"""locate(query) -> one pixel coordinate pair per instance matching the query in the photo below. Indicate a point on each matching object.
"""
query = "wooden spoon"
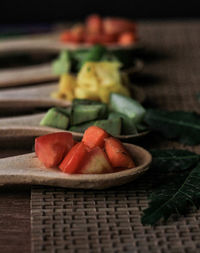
(40, 96)
(30, 97)
(42, 73)
(27, 75)
(29, 125)
(27, 169)
(50, 43)
(31, 43)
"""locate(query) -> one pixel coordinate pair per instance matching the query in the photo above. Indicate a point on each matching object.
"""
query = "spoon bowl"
(30, 126)
(28, 170)
(39, 96)
(51, 43)
(43, 73)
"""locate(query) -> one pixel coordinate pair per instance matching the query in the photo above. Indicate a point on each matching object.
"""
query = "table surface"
(64, 220)
(15, 233)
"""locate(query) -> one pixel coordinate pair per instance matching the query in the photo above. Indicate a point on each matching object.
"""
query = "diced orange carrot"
(127, 38)
(94, 137)
(117, 154)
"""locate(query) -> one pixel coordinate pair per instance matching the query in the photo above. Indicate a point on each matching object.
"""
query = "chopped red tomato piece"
(94, 24)
(51, 148)
(101, 30)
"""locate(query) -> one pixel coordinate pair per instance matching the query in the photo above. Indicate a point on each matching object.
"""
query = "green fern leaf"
(173, 160)
(178, 125)
(174, 197)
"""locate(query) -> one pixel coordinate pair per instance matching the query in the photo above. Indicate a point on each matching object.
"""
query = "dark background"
(24, 12)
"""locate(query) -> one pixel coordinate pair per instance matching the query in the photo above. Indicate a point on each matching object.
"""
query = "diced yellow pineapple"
(67, 85)
(96, 80)
(108, 73)
(85, 94)
(87, 76)
(67, 82)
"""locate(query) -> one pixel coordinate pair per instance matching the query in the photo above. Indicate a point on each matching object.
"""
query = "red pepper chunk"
(73, 160)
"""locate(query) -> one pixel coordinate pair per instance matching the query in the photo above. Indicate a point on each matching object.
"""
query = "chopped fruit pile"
(122, 116)
(97, 153)
(95, 81)
(97, 30)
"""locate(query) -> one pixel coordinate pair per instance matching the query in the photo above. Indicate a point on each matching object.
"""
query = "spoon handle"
(26, 75)
(28, 120)
(27, 131)
(17, 169)
(30, 97)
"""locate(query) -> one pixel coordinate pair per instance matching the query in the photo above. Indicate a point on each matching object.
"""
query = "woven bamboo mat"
(77, 221)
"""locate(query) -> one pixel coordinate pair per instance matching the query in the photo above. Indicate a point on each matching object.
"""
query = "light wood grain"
(27, 131)
(27, 169)
(16, 121)
(30, 97)
(31, 43)
(27, 75)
